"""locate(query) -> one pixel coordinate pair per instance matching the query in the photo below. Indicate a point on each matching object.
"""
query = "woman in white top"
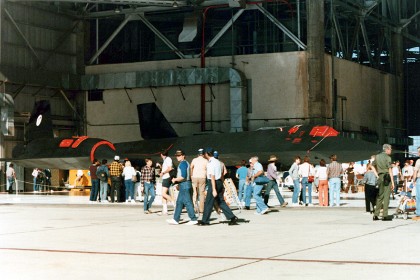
(305, 170)
(128, 173)
(407, 172)
(321, 174)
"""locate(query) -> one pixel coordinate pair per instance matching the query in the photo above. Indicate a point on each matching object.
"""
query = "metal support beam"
(71, 105)
(354, 39)
(59, 43)
(339, 35)
(109, 40)
(410, 20)
(19, 90)
(160, 35)
(283, 28)
(35, 55)
(366, 39)
(223, 30)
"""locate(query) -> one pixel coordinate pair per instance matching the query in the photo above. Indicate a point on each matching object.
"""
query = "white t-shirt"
(167, 162)
(10, 172)
(214, 168)
(128, 172)
(321, 173)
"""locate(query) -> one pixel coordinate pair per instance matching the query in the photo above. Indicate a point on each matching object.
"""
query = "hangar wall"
(278, 85)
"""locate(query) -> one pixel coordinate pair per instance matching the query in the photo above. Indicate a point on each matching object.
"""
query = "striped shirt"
(334, 170)
(115, 169)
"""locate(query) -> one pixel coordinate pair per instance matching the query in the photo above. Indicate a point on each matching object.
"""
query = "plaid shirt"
(115, 169)
(147, 174)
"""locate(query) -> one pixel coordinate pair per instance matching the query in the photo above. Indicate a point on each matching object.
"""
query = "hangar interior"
(211, 66)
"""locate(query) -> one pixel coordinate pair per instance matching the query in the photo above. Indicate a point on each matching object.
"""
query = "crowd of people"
(200, 189)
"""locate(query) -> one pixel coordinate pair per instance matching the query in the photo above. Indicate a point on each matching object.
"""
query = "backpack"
(102, 175)
(138, 176)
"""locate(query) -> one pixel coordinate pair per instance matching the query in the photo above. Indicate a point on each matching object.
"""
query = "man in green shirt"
(383, 165)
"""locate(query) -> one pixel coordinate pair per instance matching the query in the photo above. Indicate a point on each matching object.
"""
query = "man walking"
(148, 181)
(383, 166)
(198, 178)
(184, 196)
(272, 184)
(215, 191)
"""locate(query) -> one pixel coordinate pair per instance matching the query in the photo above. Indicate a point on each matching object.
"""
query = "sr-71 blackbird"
(318, 142)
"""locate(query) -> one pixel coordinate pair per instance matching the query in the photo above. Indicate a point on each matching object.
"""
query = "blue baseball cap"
(208, 150)
(216, 154)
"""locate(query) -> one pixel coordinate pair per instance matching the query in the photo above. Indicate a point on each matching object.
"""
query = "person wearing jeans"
(294, 173)
(184, 196)
(416, 177)
(258, 171)
(334, 171)
(272, 175)
(305, 170)
(241, 174)
(148, 179)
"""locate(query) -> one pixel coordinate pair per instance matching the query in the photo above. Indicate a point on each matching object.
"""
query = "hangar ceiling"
(46, 44)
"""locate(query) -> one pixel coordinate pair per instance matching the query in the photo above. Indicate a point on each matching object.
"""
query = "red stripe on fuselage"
(100, 143)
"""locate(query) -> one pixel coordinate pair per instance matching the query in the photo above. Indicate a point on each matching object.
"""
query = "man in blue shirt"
(184, 197)
(241, 175)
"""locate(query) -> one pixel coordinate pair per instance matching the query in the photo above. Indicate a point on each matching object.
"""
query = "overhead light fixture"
(175, 4)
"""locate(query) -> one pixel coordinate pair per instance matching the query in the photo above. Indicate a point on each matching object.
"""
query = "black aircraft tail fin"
(153, 124)
(40, 122)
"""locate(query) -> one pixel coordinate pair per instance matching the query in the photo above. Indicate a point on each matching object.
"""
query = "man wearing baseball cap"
(184, 196)
(215, 191)
(198, 179)
(115, 171)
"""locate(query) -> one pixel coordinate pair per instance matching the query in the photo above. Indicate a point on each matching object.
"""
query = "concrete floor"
(64, 237)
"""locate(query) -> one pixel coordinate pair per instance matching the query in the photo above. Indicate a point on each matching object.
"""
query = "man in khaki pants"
(198, 179)
(383, 166)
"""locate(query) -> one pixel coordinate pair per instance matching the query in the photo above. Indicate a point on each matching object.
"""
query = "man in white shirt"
(215, 191)
(167, 167)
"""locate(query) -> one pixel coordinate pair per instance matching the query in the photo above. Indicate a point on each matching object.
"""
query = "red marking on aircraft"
(293, 130)
(66, 143)
(296, 140)
(78, 141)
(323, 131)
(100, 143)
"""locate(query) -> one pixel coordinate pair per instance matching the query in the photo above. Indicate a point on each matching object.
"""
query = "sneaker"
(163, 213)
(295, 205)
(285, 204)
(172, 222)
(126, 201)
(310, 205)
(264, 211)
(190, 223)
(147, 212)
(257, 213)
(133, 201)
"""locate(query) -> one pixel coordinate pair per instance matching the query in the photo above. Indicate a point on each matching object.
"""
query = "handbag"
(261, 180)
(311, 178)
